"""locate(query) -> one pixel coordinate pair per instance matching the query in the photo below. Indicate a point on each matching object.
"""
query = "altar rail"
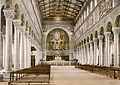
(58, 63)
(102, 70)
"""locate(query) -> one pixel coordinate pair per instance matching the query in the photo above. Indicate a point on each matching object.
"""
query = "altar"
(58, 62)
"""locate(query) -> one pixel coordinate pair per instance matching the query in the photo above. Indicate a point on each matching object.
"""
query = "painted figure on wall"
(57, 40)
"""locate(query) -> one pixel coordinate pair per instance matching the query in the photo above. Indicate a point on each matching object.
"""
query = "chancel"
(60, 42)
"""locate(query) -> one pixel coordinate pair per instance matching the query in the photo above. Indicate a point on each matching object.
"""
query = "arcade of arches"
(58, 32)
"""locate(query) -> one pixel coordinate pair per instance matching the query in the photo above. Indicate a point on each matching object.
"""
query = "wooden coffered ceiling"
(67, 9)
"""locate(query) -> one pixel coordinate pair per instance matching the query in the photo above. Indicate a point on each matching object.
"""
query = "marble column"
(84, 53)
(21, 49)
(100, 50)
(17, 25)
(25, 48)
(29, 51)
(1, 56)
(107, 49)
(91, 53)
(91, 5)
(77, 52)
(4, 48)
(82, 59)
(44, 51)
(80, 54)
(38, 54)
(9, 15)
(88, 54)
(95, 51)
(116, 31)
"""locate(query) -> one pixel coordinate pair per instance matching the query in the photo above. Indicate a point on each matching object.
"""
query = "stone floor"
(68, 75)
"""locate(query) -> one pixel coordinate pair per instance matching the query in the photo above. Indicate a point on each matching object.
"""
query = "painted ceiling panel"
(60, 8)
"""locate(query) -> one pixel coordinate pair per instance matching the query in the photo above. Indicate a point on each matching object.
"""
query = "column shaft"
(116, 47)
(88, 55)
(9, 14)
(82, 54)
(95, 52)
(100, 50)
(17, 24)
(107, 49)
(21, 51)
(91, 52)
(29, 52)
(4, 49)
(25, 49)
(1, 56)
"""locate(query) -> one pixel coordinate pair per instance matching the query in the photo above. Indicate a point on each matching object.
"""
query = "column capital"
(17, 23)
(87, 43)
(9, 14)
(95, 39)
(3, 36)
(22, 28)
(100, 37)
(1, 4)
(116, 30)
(90, 41)
(107, 33)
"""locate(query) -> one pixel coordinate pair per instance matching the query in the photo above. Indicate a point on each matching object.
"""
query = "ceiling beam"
(42, 8)
(61, 2)
(54, 14)
(60, 10)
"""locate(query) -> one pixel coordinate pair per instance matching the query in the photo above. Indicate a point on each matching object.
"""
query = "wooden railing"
(31, 75)
(102, 70)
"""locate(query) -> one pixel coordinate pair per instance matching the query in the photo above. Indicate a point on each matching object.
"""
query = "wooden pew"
(102, 70)
(35, 72)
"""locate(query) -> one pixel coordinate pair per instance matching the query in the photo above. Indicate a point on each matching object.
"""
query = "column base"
(6, 74)
(15, 69)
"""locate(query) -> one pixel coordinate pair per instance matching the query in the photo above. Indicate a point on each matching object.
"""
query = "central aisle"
(68, 75)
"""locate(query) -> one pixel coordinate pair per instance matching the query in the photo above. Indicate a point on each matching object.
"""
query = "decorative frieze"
(105, 7)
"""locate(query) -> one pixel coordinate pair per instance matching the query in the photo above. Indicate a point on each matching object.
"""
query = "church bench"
(102, 70)
(21, 75)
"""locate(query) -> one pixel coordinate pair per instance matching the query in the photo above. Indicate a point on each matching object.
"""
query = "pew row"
(102, 70)
(37, 74)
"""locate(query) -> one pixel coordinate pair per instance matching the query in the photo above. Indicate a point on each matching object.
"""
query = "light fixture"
(58, 18)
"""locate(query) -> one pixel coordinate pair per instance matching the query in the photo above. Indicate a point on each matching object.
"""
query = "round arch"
(17, 11)
(67, 31)
(57, 39)
(70, 46)
(117, 21)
